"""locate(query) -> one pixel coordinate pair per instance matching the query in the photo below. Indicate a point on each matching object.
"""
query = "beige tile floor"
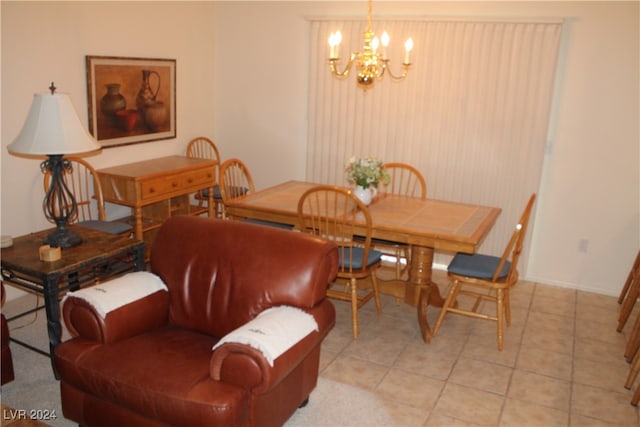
(562, 363)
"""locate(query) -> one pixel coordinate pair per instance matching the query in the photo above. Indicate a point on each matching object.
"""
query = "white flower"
(366, 172)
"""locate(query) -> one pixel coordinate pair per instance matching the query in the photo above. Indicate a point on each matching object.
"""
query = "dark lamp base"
(63, 239)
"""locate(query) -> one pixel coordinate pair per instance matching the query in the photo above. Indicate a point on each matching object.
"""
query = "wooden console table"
(157, 189)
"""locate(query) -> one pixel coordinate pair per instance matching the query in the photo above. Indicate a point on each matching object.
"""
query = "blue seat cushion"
(216, 192)
(236, 191)
(269, 223)
(345, 255)
(111, 227)
(478, 266)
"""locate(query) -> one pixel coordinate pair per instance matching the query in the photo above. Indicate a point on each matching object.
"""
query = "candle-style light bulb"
(374, 44)
(385, 42)
(334, 43)
(408, 46)
(338, 38)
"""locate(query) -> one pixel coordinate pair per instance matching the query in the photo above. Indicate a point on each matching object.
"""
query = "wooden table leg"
(421, 291)
(420, 277)
(138, 229)
(210, 204)
(423, 302)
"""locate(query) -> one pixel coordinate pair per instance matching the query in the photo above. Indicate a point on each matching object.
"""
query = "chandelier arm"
(395, 78)
(333, 64)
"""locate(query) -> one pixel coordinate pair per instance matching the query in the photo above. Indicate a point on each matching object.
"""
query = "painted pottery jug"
(147, 95)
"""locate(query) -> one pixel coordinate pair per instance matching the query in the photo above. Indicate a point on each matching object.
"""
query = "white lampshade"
(52, 127)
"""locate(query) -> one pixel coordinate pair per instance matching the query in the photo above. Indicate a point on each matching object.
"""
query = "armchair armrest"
(247, 366)
(117, 309)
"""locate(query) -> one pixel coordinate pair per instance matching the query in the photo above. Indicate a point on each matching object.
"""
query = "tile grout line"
(515, 363)
(573, 356)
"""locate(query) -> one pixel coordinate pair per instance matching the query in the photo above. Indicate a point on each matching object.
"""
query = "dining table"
(426, 225)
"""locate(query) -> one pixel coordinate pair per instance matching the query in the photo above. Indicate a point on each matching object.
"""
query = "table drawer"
(198, 178)
(157, 187)
(176, 184)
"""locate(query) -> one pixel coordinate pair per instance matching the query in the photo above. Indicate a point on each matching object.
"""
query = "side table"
(98, 257)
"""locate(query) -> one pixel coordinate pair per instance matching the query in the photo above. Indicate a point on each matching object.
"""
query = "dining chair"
(204, 148)
(629, 294)
(633, 358)
(631, 377)
(493, 275)
(7, 373)
(631, 355)
(335, 213)
(82, 180)
(404, 180)
(236, 181)
(636, 397)
(633, 341)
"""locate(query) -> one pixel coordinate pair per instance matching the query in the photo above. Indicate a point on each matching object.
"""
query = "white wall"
(48, 41)
(591, 180)
(242, 79)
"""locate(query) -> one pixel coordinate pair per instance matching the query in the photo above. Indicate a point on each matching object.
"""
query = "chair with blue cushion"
(335, 213)
(81, 179)
(235, 182)
(404, 180)
(491, 274)
(204, 148)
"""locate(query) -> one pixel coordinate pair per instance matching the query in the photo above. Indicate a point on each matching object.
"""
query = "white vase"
(364, 194)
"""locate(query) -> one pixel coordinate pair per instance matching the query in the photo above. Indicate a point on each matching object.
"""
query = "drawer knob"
(174, 184)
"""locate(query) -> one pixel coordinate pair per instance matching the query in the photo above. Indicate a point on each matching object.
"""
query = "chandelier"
(371, 63)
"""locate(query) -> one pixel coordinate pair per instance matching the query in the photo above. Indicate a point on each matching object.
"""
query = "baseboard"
(533, 279)
(569, 285)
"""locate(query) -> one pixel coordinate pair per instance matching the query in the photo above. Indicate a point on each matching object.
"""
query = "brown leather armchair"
(150, 361)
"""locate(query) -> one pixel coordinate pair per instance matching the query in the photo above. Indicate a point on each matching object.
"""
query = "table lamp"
(53, 129)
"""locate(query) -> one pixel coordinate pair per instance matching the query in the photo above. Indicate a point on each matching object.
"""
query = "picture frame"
(131, 100)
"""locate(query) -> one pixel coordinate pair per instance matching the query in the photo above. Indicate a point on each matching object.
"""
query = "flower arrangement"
(366, 172)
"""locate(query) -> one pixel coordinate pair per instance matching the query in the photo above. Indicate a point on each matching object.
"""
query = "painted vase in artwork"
(156, 115)
(112, 102)
(128, 119)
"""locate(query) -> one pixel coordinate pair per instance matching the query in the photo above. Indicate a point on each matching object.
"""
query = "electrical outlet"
(583, 245)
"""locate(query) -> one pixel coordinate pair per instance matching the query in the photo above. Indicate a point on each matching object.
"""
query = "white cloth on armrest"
(118, 292)
(273, 331)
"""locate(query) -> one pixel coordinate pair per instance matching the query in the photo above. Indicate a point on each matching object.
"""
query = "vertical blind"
(472, 114)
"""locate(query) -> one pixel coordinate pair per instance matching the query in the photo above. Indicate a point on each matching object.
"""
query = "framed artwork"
(131, 100)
